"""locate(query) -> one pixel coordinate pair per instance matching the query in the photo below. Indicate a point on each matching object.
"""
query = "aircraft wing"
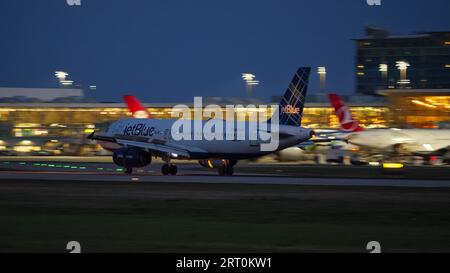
(151, 145)
(327, 140)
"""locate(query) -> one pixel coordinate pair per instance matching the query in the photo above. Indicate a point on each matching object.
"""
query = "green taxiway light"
(119, 170)
(5, 162)
(51, 166)
(37, 164)
(82, 168)
(100, 169)
(66, 167)
(58, 166)
(22, 163)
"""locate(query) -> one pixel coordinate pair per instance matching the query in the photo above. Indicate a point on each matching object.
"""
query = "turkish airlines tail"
(346, 120)
(135, 107)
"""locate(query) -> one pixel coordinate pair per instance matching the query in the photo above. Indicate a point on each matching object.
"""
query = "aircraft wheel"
(173, 169)
(222, 170)
(226, 170)
(128, 170)
(166, 169)
(233, 162)
(229, 170)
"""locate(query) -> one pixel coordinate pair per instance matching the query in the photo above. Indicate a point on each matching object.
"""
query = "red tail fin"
(348, 123)
(135, 107)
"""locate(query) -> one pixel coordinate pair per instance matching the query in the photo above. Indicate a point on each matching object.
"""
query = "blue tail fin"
(293, 101)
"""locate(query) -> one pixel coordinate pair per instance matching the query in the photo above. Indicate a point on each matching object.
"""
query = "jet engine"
(211, 164)
(216, 163)
(132, 158)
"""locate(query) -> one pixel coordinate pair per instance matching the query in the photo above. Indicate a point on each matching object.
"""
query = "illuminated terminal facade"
(52, 119)
(28, 127)
(418, 108)
(36, 127)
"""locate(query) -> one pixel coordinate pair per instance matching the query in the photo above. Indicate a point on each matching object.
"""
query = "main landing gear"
(227, 168)
(169, 169)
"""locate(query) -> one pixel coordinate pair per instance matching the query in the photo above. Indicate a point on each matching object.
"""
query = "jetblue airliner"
(135, 141)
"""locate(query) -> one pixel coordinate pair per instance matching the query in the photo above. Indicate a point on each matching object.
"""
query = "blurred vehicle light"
(393, 165)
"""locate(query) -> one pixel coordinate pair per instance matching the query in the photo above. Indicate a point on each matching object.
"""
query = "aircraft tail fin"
(135, 107)
(346, 120)
(293, 101)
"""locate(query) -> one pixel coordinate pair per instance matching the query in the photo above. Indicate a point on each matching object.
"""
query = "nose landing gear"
(169, 168)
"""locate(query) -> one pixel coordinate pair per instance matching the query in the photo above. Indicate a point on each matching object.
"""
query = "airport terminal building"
(382, 57)
(34, 118)
(28, 124)
(46, 116)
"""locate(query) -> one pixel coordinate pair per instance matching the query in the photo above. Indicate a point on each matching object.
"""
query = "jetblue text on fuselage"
(141, 129)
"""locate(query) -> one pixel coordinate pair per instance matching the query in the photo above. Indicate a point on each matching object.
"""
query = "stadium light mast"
(250, 82)
(322, 71)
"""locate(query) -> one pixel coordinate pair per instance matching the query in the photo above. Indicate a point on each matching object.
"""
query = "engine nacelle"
(132, 158)
(216, 163)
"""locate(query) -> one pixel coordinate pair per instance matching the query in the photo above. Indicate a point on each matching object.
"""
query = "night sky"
(172, 50)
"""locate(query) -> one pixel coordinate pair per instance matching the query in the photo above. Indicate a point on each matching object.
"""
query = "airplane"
(421, 142)
(135, 141)
(325, 137)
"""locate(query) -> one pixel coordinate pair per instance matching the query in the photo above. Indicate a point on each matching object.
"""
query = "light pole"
(403, 67)
(322, 71)
(383, 68)
(62, 76)
(66, 83)
(250, 81)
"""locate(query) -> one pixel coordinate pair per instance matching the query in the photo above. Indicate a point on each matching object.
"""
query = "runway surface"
(190, 173)
(263, 208)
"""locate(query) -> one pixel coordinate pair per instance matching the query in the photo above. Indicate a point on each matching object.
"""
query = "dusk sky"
(170, 51)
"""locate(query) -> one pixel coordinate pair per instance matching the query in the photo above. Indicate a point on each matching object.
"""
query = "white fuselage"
(414, 140)
(151, 130)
